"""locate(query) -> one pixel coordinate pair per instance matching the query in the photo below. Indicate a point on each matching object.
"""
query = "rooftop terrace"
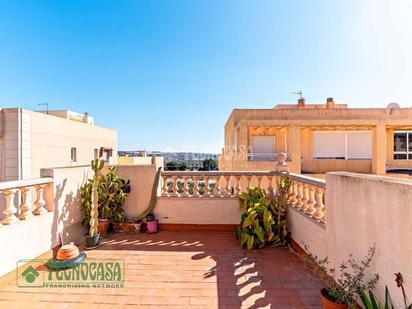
(178, 269)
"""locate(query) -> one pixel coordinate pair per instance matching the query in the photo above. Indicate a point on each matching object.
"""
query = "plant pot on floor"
(328, 303)
(119, 227)
(102, 227)
(91, 241)
(151, 226)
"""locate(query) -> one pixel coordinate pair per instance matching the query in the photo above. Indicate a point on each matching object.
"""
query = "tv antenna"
(300, 93)
(47, 106)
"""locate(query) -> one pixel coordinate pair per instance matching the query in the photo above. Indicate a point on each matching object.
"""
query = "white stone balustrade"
(214, 183)
(29, 195)
(307, 194)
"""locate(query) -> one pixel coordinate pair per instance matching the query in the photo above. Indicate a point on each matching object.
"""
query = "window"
(105, 154)
(354, 145)
(263, 147)
(402, 145)
(73, 154)
(96, 153)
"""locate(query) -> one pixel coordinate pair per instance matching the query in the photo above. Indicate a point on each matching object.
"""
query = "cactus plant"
(97, 166)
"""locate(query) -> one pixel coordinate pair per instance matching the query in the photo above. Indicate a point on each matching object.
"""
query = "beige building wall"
(159, 161)
(31, 141)
(293, 129)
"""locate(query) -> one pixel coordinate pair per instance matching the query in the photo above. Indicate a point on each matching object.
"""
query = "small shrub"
(264, 220)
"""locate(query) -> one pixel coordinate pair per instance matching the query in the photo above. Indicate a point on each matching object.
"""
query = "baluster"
(227, 188)
(40, 202)
(270, 189)
(165, 188)
(26, 203)
(299, 197)
(195, 186)
(174, 192)
(9, 216)
(259, 181)
(185, 191)
(310, 209)
(290, 193)
(319, 206)
(216, 191)
(206, 182)
(236, 186)
(220, 189)
(239, 185)
(294, 200)
(305, 197)
(248, 182)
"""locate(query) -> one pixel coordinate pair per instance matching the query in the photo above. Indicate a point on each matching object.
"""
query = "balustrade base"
(10, 220)
(26, 216)
(39, 212)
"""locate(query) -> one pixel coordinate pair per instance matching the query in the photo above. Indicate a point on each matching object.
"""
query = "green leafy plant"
(344, 285)
(264, 220)
(112, 192)
(97, 165)
(370, 301)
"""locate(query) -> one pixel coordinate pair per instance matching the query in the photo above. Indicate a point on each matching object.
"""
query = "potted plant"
(264, 219)
(151, 223)
(342, 287)
(370, 301)
(92, 239)
(113, 192)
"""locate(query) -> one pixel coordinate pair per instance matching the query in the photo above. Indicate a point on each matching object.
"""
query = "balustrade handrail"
(298, 177)
(24, 183)
(306, 193)
(218, 173)
(309, 180)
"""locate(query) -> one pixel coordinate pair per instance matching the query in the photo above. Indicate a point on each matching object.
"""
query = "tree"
(209, 165)
(172, 166)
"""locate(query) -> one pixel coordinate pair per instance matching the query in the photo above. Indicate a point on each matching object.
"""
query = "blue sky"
(167, 74)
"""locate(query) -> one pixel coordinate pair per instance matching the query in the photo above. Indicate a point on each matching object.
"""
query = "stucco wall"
(363, 210)
(198, 210)
(305, 231)
(141, 180)
(31, 141)
(67, 216)
(24, 240)
(52, 138)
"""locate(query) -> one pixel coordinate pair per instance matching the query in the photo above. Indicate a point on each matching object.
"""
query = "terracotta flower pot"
(329, 304)
(102, 227)
(119, 227)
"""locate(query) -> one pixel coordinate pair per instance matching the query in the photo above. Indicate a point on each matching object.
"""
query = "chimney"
(330, 103)
(301, 103)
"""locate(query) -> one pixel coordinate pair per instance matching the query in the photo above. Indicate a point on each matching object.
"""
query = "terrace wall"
(361, 210)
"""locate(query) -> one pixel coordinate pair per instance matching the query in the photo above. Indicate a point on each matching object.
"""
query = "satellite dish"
(393, 105)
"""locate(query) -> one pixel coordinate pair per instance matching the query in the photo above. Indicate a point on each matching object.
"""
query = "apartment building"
(30, 141)
(319, 138)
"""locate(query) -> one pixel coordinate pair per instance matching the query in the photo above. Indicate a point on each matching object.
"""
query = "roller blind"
(329, 145)
(263, 144)
(359, 145)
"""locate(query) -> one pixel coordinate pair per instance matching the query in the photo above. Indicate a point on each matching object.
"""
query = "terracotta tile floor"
(183, 269)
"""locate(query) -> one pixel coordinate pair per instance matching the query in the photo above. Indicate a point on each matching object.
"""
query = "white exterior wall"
(32, 141)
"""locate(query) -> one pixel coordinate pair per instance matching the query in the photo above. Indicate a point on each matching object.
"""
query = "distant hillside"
(172, 156)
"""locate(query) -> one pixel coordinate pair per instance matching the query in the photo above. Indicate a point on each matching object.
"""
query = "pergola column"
(379, 149)
(242, 143)
(294, 148)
